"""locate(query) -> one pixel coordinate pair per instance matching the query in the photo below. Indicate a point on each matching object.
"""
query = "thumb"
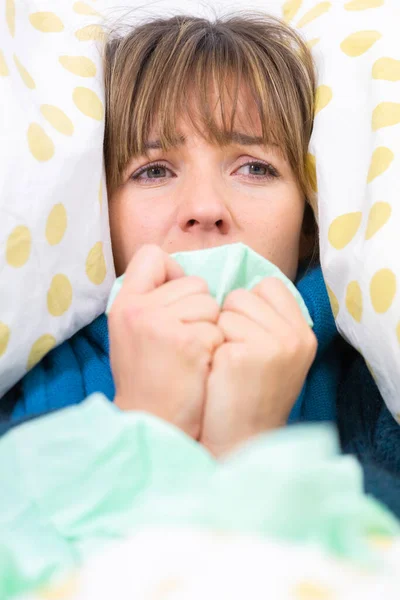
(150, 268)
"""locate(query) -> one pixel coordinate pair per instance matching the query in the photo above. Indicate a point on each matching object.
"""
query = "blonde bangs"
(189, 68)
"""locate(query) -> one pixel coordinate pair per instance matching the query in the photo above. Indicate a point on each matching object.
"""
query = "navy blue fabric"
(368, 430)
(68, 374)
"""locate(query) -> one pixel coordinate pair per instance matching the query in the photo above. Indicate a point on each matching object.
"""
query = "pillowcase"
(356, 150)
(56, 265)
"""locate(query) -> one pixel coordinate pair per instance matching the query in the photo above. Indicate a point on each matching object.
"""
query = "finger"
(199, 307)
(210, 336)
(149, 268)
(238, 328)
(174, 291)
(277, 295)
(256, 309)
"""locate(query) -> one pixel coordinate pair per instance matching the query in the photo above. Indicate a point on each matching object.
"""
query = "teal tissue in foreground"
(79, 478)
(228, 268)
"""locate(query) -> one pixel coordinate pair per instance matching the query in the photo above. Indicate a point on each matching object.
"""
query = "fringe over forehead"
(165, 69)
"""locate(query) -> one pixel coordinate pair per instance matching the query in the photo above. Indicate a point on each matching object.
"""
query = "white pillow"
(356, 144)
(56, 265)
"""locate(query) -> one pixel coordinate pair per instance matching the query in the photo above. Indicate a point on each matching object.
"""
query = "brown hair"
(150, 72)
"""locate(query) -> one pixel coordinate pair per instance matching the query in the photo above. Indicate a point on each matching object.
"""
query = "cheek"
(133, 223)
(274, 229)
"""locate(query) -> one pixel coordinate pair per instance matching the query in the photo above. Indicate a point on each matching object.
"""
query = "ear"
(309, 236)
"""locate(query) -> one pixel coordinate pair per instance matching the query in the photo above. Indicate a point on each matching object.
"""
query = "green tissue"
(227, 268)
(77, 479)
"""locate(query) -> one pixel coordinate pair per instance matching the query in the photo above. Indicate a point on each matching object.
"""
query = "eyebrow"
(242, 139)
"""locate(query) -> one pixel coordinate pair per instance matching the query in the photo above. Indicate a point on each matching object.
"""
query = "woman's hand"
(163, 334)
(258, 373)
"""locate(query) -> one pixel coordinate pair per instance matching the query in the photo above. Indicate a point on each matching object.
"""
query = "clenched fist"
(163, 335)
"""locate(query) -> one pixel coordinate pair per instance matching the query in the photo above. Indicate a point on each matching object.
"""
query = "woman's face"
(198, 195)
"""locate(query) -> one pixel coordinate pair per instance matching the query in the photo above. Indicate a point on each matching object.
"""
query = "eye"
(258, 170)
(151, 172)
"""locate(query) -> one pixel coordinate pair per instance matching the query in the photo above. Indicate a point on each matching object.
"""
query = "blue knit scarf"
(81, 366)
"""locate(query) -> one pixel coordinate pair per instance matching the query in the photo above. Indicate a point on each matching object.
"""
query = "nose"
(204, 209)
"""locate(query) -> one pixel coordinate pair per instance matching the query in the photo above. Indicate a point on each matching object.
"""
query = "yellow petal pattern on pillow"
(56, 224)
(3, 66)
(359, 43)
(379, 215)
(84, 9)
(168, 587)
(26, 78)
(343, 229)
(10, 16)
(383, 290)
(90, 33)
(88, 103)
(322, 98)
(314, 13)
(57, 118)
(18, 248)
(66, 590)
(40, 144)
(334, 302)
(381, 542)
(387, 69)
(381, 160)
(291, 8)
(96, 264)
(354, 303)
(310, 590)
(4, 337)
(385, 114)
(46, 22)
(40, 348)
(78, 65)
(363, 4)
(59, 296)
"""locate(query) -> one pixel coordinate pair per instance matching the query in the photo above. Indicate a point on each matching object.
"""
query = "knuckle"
(138, 320)
(218, 338)
(211, 302)
(199, 284)
(123, 314)
(297, 346)
(214, 311)
(235, 298)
